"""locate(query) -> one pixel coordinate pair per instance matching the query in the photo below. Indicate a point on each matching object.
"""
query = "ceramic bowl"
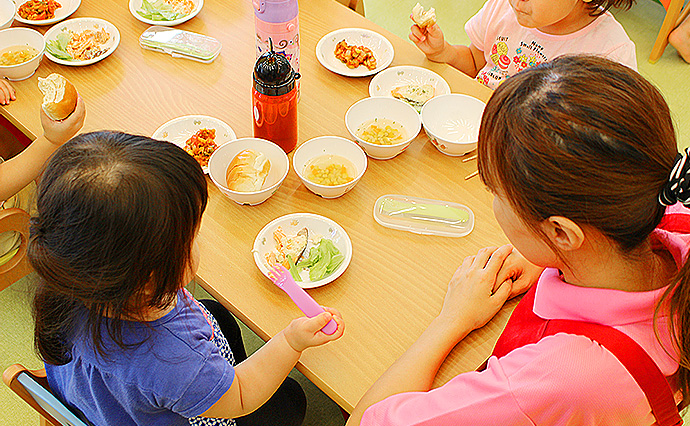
(18, 36)
(329, 145)
(452, 122)
(7, 11)
(383, 108)
(223, 155)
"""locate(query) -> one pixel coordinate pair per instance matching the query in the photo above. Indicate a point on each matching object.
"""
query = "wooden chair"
(15, 219)
(676, 12)
(32, 387)
(356, 5)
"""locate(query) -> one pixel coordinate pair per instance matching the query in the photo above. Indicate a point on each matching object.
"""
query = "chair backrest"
(15, 219)
(32, 387)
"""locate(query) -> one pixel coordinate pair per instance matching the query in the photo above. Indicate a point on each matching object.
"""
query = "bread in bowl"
(247, 171)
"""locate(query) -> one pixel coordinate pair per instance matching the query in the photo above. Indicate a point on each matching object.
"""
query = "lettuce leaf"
(293, 269)
(158, 10)
(323, 260)
(58, 46)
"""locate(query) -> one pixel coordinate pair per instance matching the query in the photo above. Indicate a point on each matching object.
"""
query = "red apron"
(525, 327)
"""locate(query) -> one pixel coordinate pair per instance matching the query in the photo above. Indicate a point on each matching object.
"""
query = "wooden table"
(396, 281)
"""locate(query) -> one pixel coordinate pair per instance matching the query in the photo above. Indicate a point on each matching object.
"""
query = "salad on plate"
(165, 10)
(320, 260)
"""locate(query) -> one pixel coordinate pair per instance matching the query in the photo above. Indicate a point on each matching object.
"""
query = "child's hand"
(59, 132)
(470, 300)
(6, 92)
(429, 40)
(518, 269)
(303, 333)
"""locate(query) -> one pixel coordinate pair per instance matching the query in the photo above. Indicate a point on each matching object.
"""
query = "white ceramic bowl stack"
(21, 36)
(223, 155)
(452, 122)
(383, 108)
(333, 145)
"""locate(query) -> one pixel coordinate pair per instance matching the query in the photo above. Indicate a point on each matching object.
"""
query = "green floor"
(670, 74)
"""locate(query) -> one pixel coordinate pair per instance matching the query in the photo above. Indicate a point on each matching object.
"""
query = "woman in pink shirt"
(580, 154)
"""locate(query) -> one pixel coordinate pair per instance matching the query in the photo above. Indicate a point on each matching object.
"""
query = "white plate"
(68, 7)
(384, 82)
(135, 5)
(79, 25)
(179, 129)
(264, 242)
(382, 48)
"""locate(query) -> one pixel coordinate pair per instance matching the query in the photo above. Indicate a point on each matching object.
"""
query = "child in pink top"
(508, 36)
(581, 182)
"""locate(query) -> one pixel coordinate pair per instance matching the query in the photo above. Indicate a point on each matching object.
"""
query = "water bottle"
(277, 21)
(274, 100)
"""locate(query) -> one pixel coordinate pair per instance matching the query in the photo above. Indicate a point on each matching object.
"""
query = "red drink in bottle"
(274, 100)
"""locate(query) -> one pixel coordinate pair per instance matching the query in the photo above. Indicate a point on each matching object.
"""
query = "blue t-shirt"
(178, 372)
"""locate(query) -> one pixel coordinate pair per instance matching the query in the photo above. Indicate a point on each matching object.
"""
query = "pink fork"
(283, 279)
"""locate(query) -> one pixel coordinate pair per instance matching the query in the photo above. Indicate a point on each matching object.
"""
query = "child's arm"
(468, 305)
(17, 172)
(260, 375)
(430, 40)
(6, 92)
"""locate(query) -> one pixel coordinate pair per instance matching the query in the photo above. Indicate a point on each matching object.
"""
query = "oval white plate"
(384, 82)
(79, 25)
(291, 223)
(382, 48)
(68, 7)
(135, 5)
(179, 129)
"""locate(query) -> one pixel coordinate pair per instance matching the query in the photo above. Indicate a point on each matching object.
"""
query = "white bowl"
(21, 36)
(7, 11)
(223, 155)
(452, 122)
(389, 108)
(329, 145)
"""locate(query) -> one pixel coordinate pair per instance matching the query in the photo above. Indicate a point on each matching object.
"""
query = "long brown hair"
(117, 216)
(591, 140)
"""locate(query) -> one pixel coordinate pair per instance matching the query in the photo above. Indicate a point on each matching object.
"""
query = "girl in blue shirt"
(123, 342)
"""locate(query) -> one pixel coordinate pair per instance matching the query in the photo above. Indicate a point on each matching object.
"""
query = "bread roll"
(422, 18)
(247, 171)
(59, 96)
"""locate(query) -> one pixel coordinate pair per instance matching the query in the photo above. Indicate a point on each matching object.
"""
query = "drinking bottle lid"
(273, 74)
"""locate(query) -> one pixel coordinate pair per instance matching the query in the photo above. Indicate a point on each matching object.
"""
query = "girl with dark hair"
(580, 154)
(123, 342)
(507, 36)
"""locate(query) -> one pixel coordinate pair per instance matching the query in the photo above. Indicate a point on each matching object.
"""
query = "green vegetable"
(293, 269)
(158, 10)
(323, 260)
(58, 46)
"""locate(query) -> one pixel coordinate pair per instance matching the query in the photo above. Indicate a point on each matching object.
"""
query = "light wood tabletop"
(396, 281)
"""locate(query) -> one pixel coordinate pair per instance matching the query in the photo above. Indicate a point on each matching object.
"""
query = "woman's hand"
(520, 271)
(429, 40)
(59, 132)
(303, 333)
(474, 293)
